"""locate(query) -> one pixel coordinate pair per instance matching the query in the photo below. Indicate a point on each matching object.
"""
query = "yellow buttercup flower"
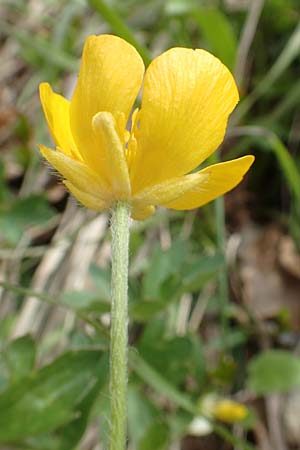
(223, 409)
(188, 96)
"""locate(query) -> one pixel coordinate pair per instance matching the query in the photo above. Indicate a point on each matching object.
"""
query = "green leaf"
(101, 280)
(162, 265)
(22, 214)
(20, 357)
(288, 165)
(157, 436)
(4, 192)
(145, 310)
(49, 398)
(216, 29)
(4, 373)
(198, 272)
(72, 433)
(179, 7)
(174, 358)
(141, 413)
(85, 301)
(160, 383)
(274, 371)
(102, 411)
(118, 26)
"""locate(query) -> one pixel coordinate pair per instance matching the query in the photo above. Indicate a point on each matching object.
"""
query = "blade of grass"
(286, 57)
(248, 33)
(55, 302)
(42, 48)
(231, 438)
(289, 101)
(119, 27)
(285, 160)
(217, 30)
(62, 27)
(158, 383)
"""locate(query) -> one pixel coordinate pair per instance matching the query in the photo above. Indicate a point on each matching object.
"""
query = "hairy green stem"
(119, 323)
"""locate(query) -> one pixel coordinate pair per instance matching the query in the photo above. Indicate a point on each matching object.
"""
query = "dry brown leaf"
(267, 289)
(288, 257)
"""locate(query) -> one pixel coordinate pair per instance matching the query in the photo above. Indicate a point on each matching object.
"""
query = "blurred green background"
(214, 293)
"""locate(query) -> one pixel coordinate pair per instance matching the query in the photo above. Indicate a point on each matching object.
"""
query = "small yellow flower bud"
(230, 411)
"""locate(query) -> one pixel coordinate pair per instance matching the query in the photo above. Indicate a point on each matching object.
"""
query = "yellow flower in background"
(187, 98)
(223, 409)
(230, 411)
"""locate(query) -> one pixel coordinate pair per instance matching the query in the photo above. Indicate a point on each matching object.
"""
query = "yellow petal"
(142, 212)
(104, 127)
(220, 178)
(187, 98)
(83, 178)
(57, 112)
(168, 191)
(109, 80)
(86, 199)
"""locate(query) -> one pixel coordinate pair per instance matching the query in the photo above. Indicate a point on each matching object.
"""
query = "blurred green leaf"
(289, 167)
(216, 29)
(119, 26)
(274, 371)
(159, 383)
(85, 301)
(4, 372)
(102, 412)
(20, 357)
(23, 213)
(145, 310)
(101, 281)
(196, 273)
(281, 14)
(4, 192)
(69, 435)
(162, 265)
(157, 436)
(172, 357)
(50, 397)
(141, 413)
(179, 7)
(72, 433)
